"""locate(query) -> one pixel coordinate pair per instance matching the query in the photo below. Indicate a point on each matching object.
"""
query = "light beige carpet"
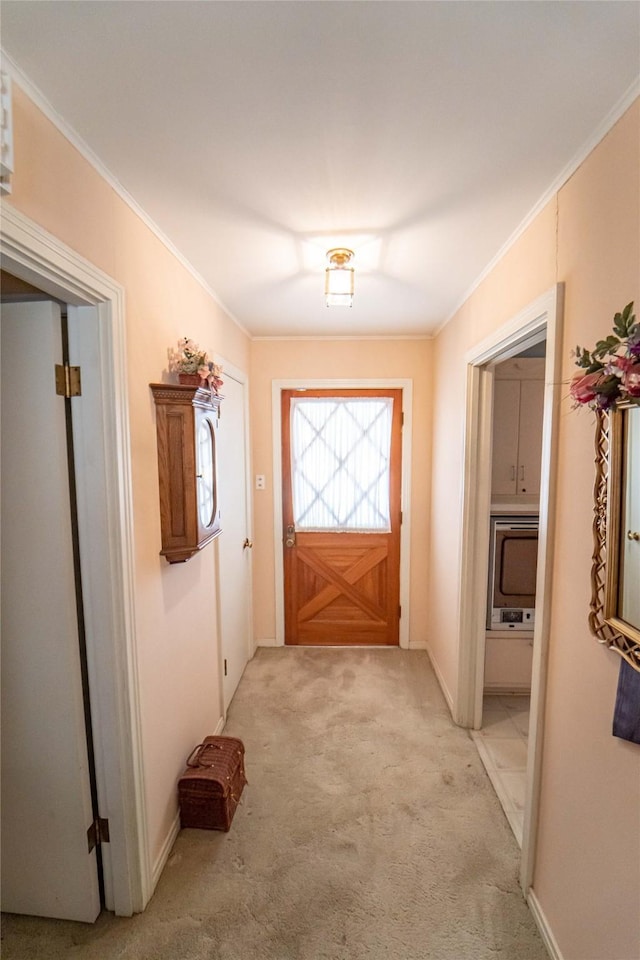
(368, 831)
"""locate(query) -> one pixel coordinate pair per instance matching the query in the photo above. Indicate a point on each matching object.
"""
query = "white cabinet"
(508, 663)
(518, 400)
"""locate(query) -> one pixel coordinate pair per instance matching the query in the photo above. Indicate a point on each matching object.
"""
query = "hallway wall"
(587, 871)
(281, 359)
(175, 605)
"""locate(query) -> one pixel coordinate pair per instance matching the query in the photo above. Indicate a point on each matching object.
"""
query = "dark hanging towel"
(626, 716)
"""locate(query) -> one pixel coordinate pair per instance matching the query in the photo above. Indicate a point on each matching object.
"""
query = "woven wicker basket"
(210, 788)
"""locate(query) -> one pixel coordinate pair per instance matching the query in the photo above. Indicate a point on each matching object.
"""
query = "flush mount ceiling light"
(338, 282)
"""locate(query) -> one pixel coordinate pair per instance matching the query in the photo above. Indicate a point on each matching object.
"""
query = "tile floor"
(502, 745)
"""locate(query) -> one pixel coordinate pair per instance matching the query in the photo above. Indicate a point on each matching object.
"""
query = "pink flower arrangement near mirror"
(610, 373)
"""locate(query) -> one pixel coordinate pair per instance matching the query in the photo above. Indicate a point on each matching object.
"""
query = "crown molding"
(623, 104)
(38, 98)
(408, 336)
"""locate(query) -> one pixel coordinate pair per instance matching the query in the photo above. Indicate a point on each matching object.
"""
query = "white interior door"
(46, 800)
(234, 554)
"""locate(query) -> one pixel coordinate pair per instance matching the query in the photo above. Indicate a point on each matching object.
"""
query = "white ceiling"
(256, 135)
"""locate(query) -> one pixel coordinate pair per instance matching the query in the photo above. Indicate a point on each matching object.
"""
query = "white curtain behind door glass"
(340, 453)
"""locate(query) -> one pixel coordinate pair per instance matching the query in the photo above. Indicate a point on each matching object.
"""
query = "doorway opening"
(516, 445)
(540, 321)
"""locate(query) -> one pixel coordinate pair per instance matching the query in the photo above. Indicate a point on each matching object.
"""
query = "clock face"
(206, 474)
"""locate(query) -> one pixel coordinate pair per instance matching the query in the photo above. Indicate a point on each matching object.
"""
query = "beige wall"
(588, 870)
(526, 271)
(175, 605)
(339, 359)
(589, 851)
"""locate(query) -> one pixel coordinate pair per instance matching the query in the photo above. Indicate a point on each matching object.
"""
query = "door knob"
(633, 535)
(290, 538)
(247, 543)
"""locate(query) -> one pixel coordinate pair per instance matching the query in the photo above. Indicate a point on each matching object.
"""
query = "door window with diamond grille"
(341, 483)
(340, 457)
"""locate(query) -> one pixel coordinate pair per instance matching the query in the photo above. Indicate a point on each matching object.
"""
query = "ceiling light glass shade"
(338, 282)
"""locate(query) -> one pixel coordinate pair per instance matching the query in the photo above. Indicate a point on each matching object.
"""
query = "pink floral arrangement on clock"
(191, 359)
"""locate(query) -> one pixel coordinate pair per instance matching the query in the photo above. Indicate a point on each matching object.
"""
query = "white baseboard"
(441, 680)
(543, 926)
(266, 642)
(166, 849)
(417, 645)
(508, 689)
(174, 830)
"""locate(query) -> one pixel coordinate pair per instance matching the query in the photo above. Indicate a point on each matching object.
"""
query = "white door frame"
(406, 386)
(543, 315)
(105, 519)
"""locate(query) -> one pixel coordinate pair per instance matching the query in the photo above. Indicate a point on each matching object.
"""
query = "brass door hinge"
(399, 611)
(97, 833)
(68, 381)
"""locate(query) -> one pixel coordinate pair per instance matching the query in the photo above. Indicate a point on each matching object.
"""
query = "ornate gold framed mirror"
(615, 579)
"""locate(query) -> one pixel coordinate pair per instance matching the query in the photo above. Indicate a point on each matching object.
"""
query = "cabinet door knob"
(633, 535)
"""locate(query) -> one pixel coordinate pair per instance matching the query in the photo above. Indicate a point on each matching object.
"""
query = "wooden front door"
(341, 457)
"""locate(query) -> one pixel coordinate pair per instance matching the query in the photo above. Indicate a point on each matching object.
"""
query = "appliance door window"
(518, 566)
(516, 554)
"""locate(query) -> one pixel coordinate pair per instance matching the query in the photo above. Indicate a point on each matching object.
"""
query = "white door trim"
(104, 504)
(406, 386)
(544, 314)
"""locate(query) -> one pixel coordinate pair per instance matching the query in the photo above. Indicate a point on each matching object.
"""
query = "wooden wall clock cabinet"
(187, 424)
